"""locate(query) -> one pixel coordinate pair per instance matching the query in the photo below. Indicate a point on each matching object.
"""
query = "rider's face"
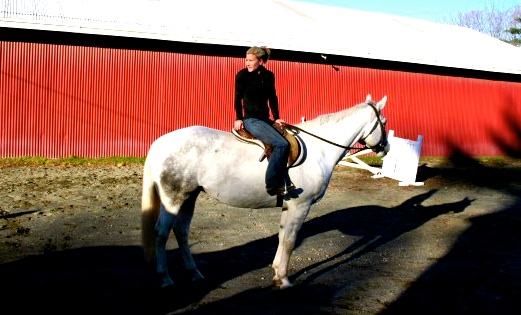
(252, 62)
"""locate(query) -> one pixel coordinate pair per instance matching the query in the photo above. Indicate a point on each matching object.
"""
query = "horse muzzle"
(382, 149)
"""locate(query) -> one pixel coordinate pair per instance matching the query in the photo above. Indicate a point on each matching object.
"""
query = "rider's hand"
(280, 122)
(238, 125)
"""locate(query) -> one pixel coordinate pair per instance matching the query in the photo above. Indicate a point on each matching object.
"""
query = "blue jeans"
(277, 165)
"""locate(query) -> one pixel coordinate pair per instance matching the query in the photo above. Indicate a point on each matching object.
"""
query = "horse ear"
(368, 98)
(382, 102)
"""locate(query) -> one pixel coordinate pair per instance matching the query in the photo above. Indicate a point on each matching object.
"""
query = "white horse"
(182, 163)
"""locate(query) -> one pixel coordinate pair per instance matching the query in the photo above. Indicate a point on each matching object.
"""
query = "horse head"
(375, 136)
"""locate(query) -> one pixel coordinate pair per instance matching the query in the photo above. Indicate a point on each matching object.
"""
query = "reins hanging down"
(298, 129)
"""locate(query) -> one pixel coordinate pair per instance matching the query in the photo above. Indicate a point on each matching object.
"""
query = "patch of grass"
(69, 161)
(496, 161)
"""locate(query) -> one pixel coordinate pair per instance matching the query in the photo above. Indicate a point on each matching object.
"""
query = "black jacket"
(253, 92)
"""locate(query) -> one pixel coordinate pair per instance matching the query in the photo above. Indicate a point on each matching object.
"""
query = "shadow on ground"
(482, 272)
(114, 280)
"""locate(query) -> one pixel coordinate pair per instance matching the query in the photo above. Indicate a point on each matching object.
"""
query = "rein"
(292, 127)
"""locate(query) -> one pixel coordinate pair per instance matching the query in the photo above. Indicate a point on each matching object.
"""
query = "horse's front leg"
(276, 259)
(290, 223)
(165, 223)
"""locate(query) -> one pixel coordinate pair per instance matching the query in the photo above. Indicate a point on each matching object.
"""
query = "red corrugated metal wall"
(59, 101)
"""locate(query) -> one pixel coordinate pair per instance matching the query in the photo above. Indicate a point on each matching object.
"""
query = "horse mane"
(333, 117)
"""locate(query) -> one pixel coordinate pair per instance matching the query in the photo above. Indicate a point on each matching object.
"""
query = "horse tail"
(150, 204)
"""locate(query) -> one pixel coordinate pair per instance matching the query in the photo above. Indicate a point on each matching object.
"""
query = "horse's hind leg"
(181, 231)
(165, 223)
(179, 223)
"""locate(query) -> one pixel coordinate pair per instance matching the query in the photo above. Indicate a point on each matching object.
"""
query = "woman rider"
(255, 96)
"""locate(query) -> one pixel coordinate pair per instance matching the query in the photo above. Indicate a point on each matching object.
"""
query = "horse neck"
(345, 130)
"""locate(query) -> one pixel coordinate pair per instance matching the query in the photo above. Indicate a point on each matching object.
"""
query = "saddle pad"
(295, 149)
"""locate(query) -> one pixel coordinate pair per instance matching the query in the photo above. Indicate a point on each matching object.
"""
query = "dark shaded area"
(512, 120)
(101, 280)
(114, 280)
(119, 42)
(480, 275)
(465, 171)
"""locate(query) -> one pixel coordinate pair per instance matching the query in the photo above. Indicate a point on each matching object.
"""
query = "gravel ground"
(70, 244)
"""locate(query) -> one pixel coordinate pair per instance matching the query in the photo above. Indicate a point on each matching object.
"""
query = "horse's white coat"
(181, 163)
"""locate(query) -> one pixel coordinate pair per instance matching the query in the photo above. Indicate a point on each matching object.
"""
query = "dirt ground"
(70, 244)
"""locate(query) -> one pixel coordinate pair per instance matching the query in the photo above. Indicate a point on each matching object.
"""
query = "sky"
(430, 10)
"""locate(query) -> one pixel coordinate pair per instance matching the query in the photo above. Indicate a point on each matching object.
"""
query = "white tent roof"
(278, 24)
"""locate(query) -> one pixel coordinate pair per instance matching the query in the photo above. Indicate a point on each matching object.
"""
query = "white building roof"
(278, 24)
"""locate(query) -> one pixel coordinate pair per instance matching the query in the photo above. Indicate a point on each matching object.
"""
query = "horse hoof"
(282, 283)
(286, 286)
(167, 287)
(197, 276)
(167, 283)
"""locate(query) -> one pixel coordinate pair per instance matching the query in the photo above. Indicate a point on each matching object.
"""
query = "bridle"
(380, 146)
(377, 148)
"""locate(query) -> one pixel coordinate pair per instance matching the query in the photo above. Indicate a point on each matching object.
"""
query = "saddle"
(294, 145)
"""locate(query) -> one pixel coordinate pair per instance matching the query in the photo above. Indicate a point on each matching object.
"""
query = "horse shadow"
(480, 275)
(376, 226)
(115, 280)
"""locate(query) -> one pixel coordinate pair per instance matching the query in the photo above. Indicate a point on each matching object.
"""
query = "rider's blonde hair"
(262, 52)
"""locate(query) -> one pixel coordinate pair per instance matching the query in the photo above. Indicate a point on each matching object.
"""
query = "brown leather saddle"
(295, 147)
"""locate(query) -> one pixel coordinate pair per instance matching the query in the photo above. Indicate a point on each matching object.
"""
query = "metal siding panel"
(59, 101)
(451, 113)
